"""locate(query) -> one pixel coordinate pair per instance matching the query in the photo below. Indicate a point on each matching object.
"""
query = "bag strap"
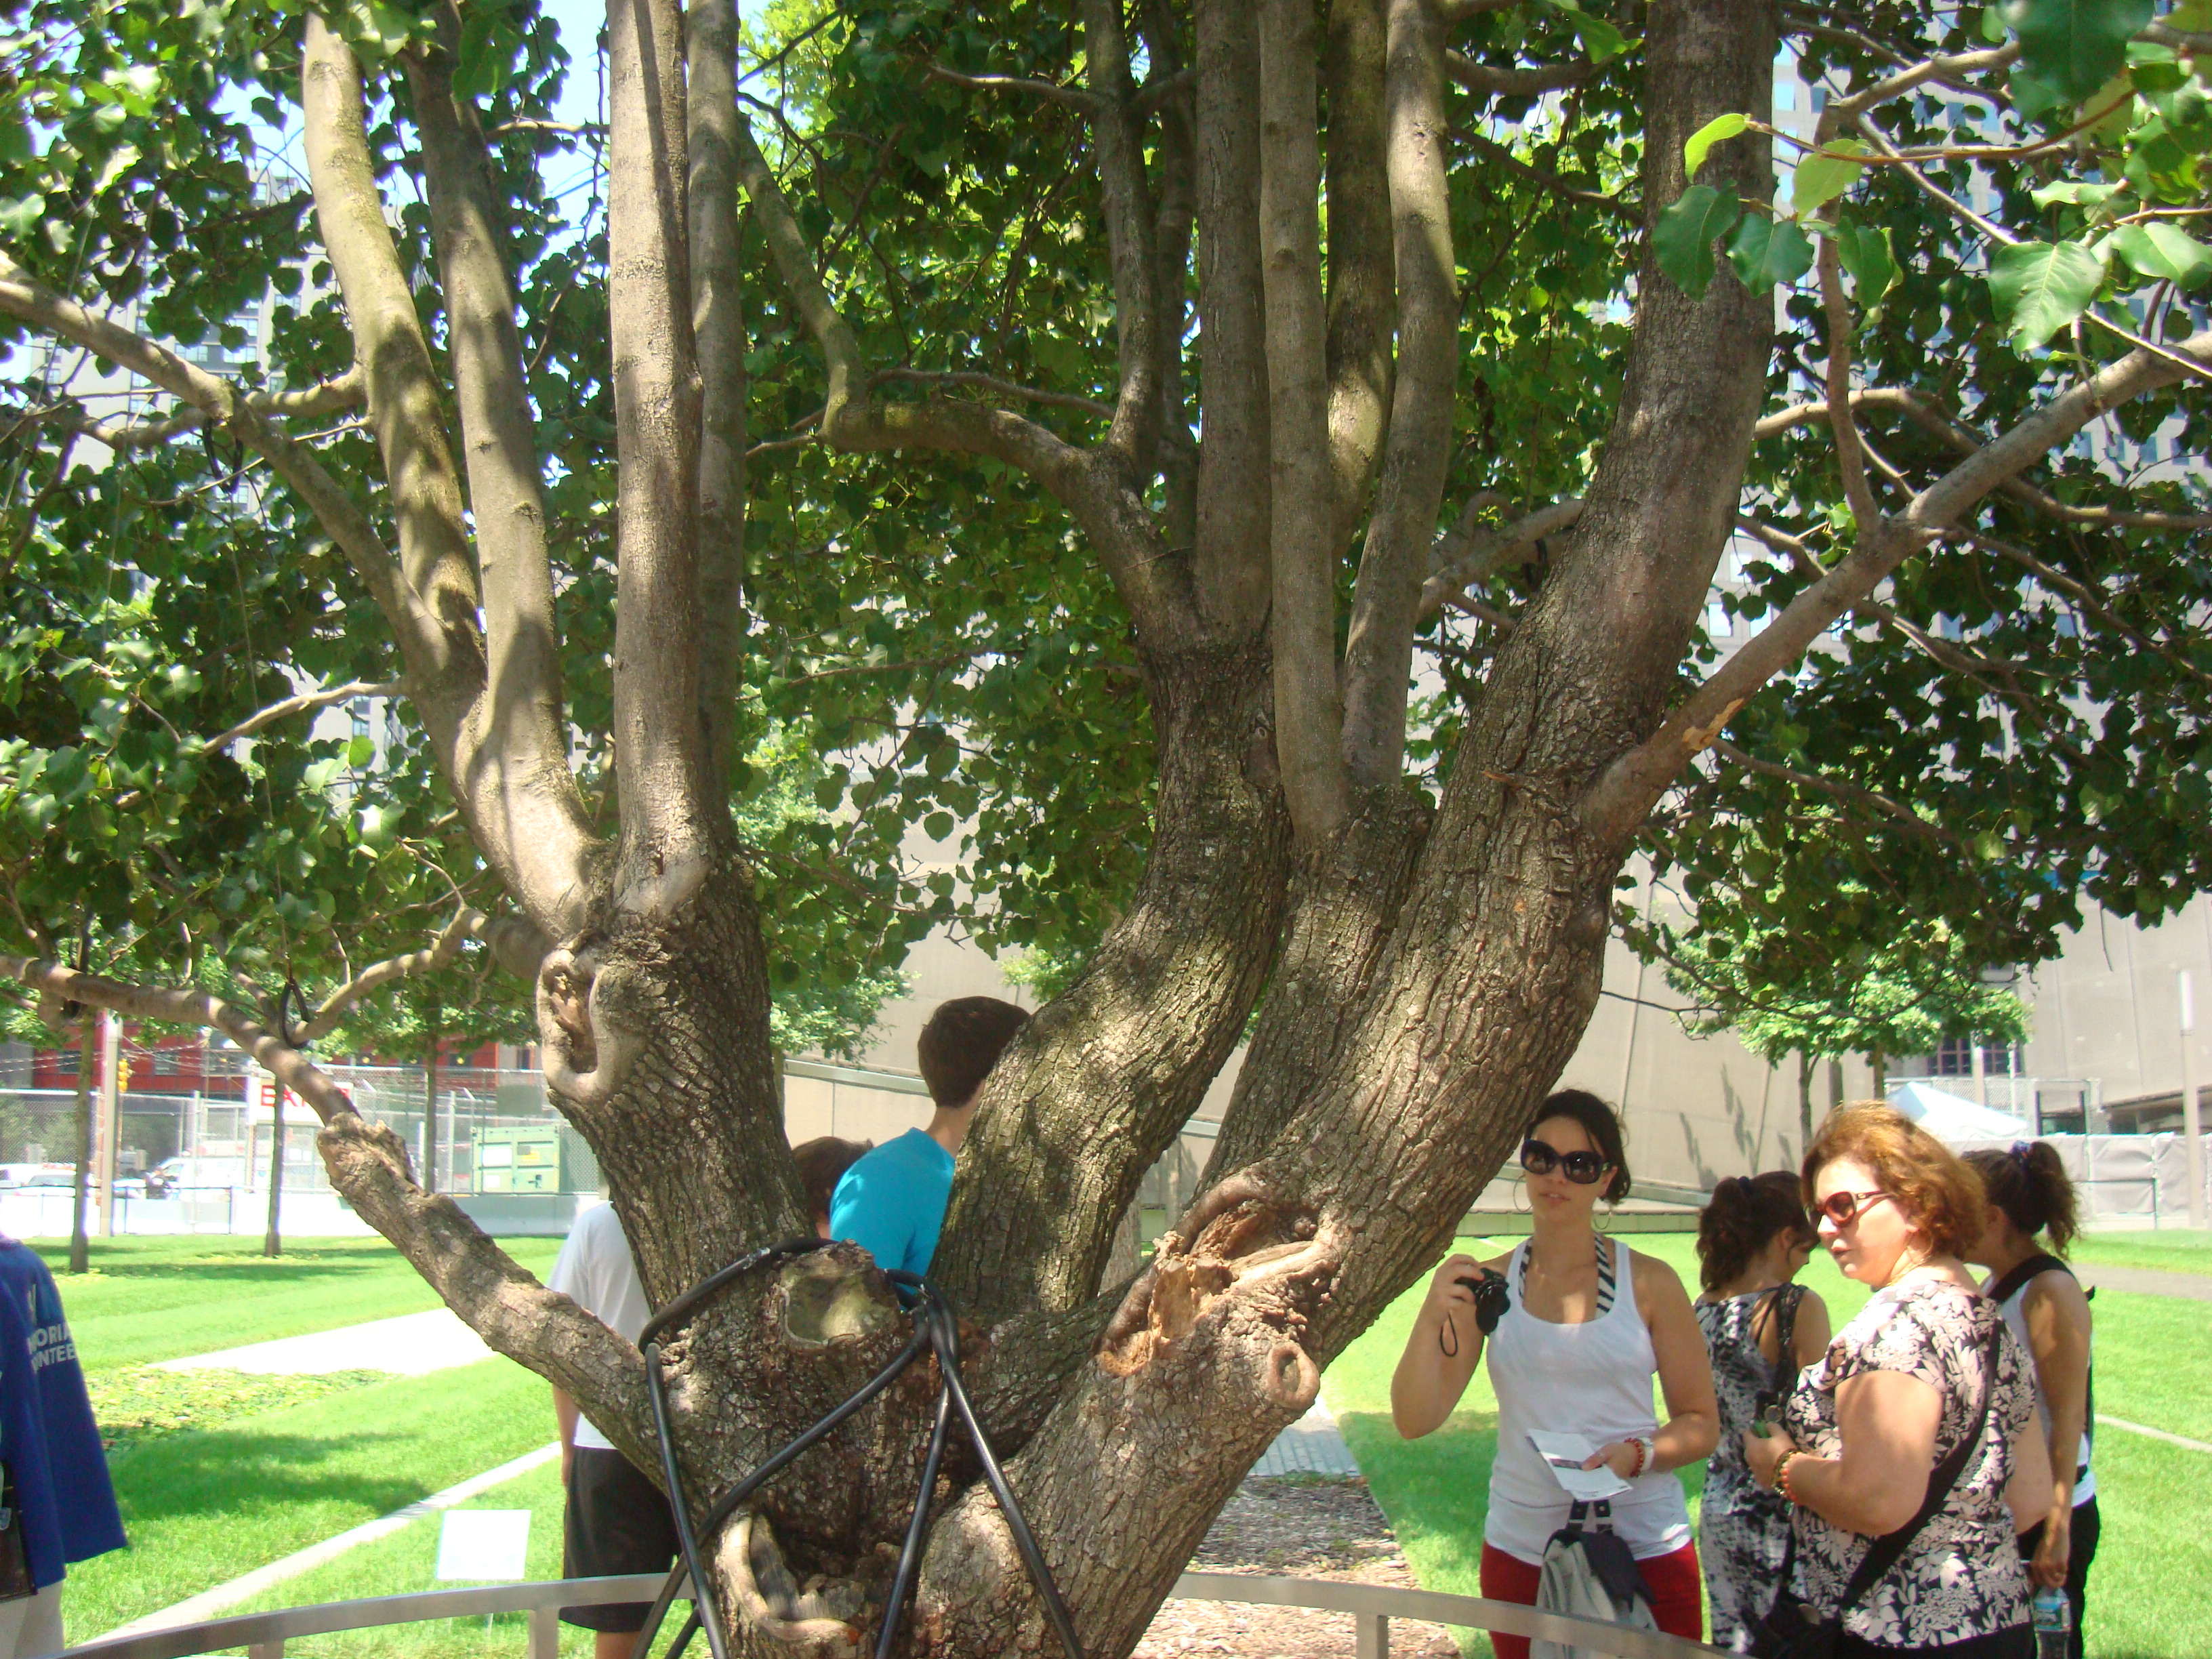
(1786, 1299)
(2004, 1289)
(1889, 1549)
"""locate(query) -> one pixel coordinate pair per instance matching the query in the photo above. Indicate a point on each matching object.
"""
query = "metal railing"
(262, 1635)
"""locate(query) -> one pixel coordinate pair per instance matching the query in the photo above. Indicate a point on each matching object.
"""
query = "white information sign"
(484, 1544)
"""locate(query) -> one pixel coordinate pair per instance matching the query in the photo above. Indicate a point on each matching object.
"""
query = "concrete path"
(413, 1345)
(2146, 1281)
(208, 1604)
(1311, 1445)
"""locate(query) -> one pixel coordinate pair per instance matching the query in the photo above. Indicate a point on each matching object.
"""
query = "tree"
(1783, 993)
(1145, 609)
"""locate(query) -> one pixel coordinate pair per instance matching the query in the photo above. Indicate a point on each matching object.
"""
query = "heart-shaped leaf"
(2164, 253)
(2040, 287)
(1682, 240)
(1766, 251)
(2074, 46)
(1825, 174)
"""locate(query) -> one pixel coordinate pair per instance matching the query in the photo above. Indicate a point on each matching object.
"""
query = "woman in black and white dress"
(1761, 1328)
(1900, 1389)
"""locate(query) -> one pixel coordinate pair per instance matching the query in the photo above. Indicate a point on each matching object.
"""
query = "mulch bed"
(1293, 1527)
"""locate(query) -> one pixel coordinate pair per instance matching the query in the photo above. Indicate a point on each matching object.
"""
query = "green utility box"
(534, 1160)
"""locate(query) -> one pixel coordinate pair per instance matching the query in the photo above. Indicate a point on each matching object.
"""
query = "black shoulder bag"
(14, 1558)
(1795, 1629)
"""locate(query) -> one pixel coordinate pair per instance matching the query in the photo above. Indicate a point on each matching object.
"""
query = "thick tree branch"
(348, 390)
(718, 328)
(1486, 81)
(1133, 250)
(1175, 222)
(669, 817)
(1386, 602)
(423, 640)
(510, 779)
(1230, 562)
(1466, 556)
(1308, 706)
(501, 1302)
(1095, 489)
(1924, 412)
(1363, 298)
(467, 921)
(992, 383)
(1617, 802)
(1849, 456)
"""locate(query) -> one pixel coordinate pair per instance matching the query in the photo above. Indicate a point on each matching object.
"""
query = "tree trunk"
(430, 1106)
(1879, 1062)
(79, 1254)
(1805, 1063)
(272, 1242)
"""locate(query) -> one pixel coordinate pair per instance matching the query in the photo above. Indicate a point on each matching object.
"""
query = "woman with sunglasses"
(1900, 1395)
(1761, 1328)
(1574, 1332)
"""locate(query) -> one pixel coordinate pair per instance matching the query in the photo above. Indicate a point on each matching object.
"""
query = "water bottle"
(2052, 1615)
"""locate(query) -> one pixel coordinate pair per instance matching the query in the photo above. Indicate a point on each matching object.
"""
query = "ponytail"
(2029, 1183)
(1744, 1216)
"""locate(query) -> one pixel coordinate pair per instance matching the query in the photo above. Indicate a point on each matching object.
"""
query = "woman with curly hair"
(1906, 1455)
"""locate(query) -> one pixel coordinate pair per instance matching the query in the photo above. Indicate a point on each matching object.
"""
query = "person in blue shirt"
(892, 1202)
(52, 1448)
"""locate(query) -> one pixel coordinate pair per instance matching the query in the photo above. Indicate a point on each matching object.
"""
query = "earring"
(1520, 1196)
(1604, 1223)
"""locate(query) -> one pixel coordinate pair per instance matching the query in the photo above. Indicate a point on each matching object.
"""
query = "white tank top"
(2013, 1309)
(1592, 1379)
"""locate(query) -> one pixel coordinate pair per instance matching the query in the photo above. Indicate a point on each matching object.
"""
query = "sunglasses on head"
(1582, 1168)
(1844, 1208)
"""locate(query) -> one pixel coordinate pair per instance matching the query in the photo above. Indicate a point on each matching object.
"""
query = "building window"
(1956, 1057)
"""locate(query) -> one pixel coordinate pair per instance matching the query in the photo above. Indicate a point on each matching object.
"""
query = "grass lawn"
(407, 1562)
(2153, 1366)
(148, 1299)
(2176, 1249)
(219, 1473)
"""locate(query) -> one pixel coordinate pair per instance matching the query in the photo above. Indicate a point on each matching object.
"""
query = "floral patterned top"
(1962, 1575)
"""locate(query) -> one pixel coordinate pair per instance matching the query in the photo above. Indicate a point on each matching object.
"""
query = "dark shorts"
(615, 1521)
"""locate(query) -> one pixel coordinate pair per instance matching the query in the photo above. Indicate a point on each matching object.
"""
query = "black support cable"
(937, 1328)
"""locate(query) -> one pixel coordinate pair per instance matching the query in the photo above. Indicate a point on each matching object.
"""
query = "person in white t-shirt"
(615, 1520)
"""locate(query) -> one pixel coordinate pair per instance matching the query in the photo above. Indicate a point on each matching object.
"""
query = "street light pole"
(2193, 1116)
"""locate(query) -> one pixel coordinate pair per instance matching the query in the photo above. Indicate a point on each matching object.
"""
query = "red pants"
(1677, 1594)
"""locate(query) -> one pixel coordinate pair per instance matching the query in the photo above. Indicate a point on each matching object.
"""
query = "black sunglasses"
(1582, 1168)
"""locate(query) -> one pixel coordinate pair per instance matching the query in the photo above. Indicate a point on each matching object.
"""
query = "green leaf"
(2040, 287)
(1868, 253)
(1682, 241)
(1599, 38)
(2076, 192)
(1766, 251)
(1825, 174)
(118, 163)
(16, 143)
(938, 826)
(20, 215)
(361, 750)
(2163, 252)
(1701, 141)
(1993, 27)
(2074, 46)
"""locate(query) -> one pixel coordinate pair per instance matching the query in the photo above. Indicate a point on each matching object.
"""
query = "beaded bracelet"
(1645, 1451)
(1782, 1473)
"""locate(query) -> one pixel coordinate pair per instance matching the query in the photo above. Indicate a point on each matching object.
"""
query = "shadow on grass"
(218, 1471)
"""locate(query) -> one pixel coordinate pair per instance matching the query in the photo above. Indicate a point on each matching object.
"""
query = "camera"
(1491, 1298)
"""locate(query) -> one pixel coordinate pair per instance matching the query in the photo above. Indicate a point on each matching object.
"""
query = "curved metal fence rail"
(262, 1635)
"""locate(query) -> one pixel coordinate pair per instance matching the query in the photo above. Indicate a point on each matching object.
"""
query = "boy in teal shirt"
(892, 1202)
